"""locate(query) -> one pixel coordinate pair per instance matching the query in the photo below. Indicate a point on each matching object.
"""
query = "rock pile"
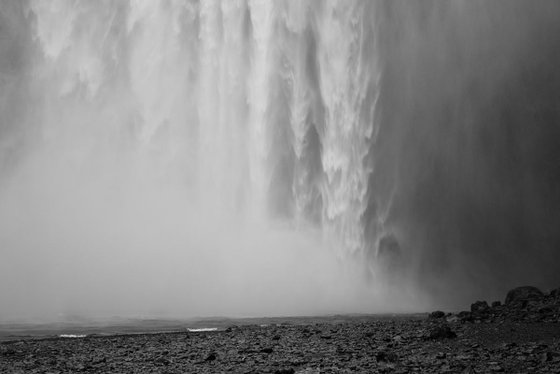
(527, 304)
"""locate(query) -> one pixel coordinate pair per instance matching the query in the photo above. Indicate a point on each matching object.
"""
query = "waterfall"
(262, 107)
(266, 157)
(182, 137)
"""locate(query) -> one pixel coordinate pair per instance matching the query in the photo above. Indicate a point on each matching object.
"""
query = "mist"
(258, 158)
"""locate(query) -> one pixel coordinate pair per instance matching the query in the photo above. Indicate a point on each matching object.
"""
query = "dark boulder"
(465, 316)
(521, 294)
(232, 328)
(285, 371)
(441, 332)
(436, 315)
(386, 356)
(479, 307)
(211, 357)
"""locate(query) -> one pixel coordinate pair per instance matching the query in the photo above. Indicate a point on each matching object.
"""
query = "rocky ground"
(521, 336)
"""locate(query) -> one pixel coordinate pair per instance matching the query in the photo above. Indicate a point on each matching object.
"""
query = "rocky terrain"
(520, 336)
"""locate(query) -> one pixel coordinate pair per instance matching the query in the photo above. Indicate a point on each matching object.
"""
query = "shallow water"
(17, 331)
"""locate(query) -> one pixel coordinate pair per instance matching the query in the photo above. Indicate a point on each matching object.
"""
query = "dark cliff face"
(468, 156)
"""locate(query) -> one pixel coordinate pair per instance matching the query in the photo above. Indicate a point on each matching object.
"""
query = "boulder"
(386, 356)
(441, 332)
(285, 371)
(524, 293)
(465, 316)
(436, 315)
(211, 357)
(479, 307)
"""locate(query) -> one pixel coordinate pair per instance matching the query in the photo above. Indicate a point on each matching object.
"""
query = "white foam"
(72, 336)
(203, 329)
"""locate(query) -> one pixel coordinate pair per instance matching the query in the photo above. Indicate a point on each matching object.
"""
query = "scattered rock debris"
(520, 336)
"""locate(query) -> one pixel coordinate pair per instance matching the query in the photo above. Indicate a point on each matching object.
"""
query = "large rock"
(480, 307)
(436, 315)
(521, 294)
(386, 356)
(442, 331)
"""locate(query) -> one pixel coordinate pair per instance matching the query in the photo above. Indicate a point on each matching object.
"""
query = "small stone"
(452, 319)
(162, 361)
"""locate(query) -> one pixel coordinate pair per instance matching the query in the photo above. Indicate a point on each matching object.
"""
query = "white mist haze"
(98, 240)
(163, 160)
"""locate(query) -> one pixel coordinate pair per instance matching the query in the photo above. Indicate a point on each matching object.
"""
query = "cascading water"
(269, 104)
(181, 137)
(258, 157)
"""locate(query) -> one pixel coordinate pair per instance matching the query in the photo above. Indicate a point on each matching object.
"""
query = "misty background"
(249, 158)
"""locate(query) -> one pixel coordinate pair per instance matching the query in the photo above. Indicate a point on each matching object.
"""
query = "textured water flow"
(253, 157)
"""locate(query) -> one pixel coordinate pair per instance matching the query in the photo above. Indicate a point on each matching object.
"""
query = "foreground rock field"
(522, 336)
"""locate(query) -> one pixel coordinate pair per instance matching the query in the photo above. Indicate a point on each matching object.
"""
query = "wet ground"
(364, 344)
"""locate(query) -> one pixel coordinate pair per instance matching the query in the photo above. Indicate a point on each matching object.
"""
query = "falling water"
(252, 157)
(261, 107)
(170, 142)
